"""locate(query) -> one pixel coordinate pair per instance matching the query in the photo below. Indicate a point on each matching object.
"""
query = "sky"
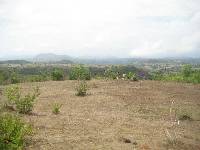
(100, 28)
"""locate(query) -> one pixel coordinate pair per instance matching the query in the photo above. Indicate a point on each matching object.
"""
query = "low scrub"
(13, 132)
(111, 73)
(23, 104)
(131, 76)
(13, 94)
(81, 89)
(56, 108)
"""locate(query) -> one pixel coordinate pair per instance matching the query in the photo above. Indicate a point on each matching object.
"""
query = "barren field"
(116, 115)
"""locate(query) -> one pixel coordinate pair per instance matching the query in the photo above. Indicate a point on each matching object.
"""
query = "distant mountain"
(50, 57)
(135, 61)
(62, 62)
(65, 59)
(14, 62)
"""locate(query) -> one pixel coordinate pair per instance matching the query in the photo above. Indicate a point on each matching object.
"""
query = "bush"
(57, 75)
(131, 76)
(12, 132)
(22, 104)
(111, 73)
(3, 77)
(13, 94)
(186, 70)
(157, 75)
(37, 91)
(79, 73)
(81, 89)
(56, 108)
(14, 78)
(9, 77)
(25, 104)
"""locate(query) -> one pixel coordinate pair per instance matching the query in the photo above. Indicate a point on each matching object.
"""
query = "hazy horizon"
(100, 29)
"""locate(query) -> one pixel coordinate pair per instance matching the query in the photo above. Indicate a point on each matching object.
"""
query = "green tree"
(57, 75)
(79, 72)
(186, 70)
(111, 73)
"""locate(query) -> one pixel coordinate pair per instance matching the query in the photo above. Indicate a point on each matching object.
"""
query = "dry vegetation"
(116, 115)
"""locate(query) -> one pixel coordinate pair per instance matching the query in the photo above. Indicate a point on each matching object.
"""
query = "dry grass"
(114, 115)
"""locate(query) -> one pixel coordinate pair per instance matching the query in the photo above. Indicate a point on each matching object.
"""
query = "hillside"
(116, 115)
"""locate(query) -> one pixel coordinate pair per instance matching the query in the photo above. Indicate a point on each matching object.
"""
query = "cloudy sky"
(100, 28)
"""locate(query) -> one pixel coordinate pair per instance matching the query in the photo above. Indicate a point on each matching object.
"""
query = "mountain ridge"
(50, 57)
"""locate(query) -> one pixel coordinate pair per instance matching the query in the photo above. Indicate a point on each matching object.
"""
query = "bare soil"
(116, 115)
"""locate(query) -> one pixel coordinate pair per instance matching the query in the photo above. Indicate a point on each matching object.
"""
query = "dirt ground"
(116, 115)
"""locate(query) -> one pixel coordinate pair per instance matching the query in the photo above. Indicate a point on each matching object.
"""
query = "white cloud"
(142, 28)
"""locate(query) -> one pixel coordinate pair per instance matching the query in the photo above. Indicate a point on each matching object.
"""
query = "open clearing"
(115, 115)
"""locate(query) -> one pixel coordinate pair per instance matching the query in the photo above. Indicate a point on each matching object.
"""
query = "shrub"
(22, 104)
(157, 75)
(79, 72)
(25, 105)
(186, 70)
(9, 76)
(131, 76)
(56, 108)
(12, 132)
(5, 76)
(14, 78)
(110, 73)
(57, 75)
(81, 89)
(196, 76)
(36, 91)
(13, 94)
